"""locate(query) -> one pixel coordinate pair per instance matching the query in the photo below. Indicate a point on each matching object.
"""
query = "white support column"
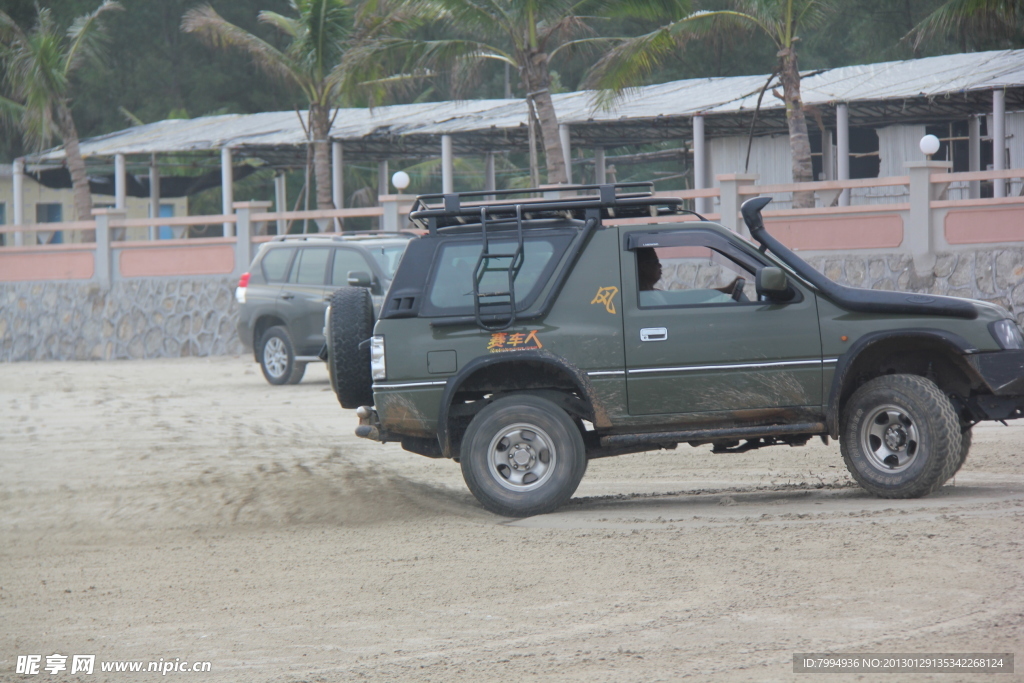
(974, 154)
(828, 160)
(699, 164)
(920, 235)
(563, 136)
(490, 182)
(154, 195)
(281, 199)
(447, 165)
(383, 180)
(227, 186)
(600, 172)
(843, 150)
(245, 231)
(998, 140)
(120, 182)
(18, 217)
(337, 175)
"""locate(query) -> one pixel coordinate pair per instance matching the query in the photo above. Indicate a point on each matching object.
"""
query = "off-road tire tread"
(351, 323)
(935, 407)
(535, 502)
(966, 438)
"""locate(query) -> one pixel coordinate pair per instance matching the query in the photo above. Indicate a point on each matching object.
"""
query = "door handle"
(653, 334)
(287, 297)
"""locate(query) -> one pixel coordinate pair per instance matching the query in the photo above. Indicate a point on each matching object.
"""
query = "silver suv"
(289, 285)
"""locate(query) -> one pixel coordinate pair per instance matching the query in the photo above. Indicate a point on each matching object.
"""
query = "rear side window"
(346, 261)
(310, 266)
(275, 264)
(451, 286)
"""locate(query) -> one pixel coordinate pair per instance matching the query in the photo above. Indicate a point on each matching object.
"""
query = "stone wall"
(995, 275)
(153, 318)
(171, 317)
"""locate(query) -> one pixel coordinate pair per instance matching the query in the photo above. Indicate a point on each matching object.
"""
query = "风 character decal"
(606, 296)
(513, 341)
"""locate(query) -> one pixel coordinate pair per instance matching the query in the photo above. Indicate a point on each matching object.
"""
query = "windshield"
(388, 258)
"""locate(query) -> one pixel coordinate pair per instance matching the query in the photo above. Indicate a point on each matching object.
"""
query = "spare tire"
(349, 324)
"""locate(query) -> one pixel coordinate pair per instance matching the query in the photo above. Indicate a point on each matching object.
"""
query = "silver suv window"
(310, 267)
(275, 264)
(346, 261)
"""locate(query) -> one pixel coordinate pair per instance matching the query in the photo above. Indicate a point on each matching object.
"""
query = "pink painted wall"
(980, 226)
(207, 259)
(17, 265)
(838, 232)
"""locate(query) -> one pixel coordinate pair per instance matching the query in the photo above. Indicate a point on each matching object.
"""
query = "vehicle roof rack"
(590, 201)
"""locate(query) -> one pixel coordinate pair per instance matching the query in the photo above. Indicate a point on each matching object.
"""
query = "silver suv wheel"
(275, 357)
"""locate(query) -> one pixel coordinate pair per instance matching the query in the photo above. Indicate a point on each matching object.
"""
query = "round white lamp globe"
(929, 145)
(400, 180)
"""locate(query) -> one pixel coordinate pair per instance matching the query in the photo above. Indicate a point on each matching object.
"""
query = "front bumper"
(1003, 373)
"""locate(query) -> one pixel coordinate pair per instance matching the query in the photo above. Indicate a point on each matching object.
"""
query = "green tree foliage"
(782, 21)
(526, 35)
(40, 65)
(328, 57)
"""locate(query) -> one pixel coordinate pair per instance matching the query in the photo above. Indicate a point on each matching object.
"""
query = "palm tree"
(39, 65)
(982, 17)
(526, 35)
(780, 20)
(323, 58)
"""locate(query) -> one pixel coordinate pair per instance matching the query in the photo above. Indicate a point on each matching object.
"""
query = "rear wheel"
(277, 357)
(522, 456)
(350, 324)
(900, 436)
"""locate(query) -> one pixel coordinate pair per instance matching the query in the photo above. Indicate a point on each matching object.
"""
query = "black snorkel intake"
(851, 298)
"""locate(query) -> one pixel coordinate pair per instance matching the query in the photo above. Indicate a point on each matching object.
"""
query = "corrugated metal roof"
(884, 92)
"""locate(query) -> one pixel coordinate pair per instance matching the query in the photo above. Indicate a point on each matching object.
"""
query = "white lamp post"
(929, 145)
(400, 180)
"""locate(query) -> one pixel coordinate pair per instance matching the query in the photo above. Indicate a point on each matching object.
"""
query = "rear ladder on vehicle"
(491, 262)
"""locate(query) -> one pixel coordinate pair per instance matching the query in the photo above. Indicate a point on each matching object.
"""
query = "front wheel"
(900, 436)
(522, 456)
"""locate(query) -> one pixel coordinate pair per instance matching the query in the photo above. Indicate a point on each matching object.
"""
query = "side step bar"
(630, 440)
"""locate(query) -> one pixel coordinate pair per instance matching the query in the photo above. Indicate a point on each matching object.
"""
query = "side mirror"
(359, 278)
(771, 282)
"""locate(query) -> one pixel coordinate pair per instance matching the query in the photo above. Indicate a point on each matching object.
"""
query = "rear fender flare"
(455, 383)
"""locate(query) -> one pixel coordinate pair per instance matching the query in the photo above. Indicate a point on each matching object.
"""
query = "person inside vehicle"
(648, 267)
(649, 272)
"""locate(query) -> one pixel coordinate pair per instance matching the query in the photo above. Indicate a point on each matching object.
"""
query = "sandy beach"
(186, 510)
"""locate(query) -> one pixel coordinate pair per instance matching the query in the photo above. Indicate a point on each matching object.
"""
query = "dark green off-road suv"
(521, 338)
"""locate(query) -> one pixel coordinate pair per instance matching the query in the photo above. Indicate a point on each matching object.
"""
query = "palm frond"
(960, 16)
(630, 63)
(218, 32)
(627, 66)
(10, 111)
(286, 25)
(85, 36)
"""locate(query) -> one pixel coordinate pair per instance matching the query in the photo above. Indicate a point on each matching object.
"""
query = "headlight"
(378, 368)
(1007, 334)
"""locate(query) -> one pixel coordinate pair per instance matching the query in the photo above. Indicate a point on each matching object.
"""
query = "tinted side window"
(346, 260)
(275, 264)
(310, 266)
